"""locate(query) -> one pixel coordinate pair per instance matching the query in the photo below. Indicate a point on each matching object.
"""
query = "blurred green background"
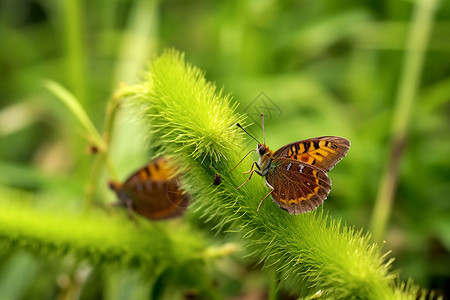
(313, 67)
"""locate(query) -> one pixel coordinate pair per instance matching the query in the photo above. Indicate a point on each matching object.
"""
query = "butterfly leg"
(271, 191)
(251, 169)
(251, 174)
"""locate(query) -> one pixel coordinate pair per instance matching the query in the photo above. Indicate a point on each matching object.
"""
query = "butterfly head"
(265, 155)
(114, 185)
(262, 149)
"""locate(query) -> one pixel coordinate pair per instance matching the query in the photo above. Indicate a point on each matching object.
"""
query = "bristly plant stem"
(416, 46)
(105, 241)
(194, 125)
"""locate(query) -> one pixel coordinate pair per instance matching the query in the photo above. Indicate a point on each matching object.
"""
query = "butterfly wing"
(322, 152)
(158, 200)
(154, 192)
(298, 187)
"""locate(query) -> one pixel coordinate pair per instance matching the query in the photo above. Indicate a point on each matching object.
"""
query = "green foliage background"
(330, 67)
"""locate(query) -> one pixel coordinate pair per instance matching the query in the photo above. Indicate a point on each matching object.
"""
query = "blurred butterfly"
(152, 192)
(297, 172)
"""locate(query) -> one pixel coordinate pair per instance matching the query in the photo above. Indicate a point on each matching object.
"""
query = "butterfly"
(297, 172)
(152, 191)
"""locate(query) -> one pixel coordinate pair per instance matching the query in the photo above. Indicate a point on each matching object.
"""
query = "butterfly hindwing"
(157, 200)
(298, 187)
(322, 152)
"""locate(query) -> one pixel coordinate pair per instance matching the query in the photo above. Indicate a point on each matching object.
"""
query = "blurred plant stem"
(416, 45)
(77, 109)
(103, 157)
(71, 285)
(99, 144)
(140, 40)
(274, 286)
(76, 58)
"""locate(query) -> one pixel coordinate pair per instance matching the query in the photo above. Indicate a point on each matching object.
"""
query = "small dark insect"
(152, 192)
(93, 149)
(217, 179)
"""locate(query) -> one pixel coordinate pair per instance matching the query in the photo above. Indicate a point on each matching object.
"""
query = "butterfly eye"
(261, 149)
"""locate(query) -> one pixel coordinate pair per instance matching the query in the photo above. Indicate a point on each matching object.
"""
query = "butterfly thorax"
(266, 157)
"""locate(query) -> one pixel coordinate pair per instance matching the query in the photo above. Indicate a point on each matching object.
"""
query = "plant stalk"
(103, 157)
(416, 46)
(76, 57)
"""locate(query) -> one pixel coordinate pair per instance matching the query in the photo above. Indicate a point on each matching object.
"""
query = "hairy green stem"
(416, 45)
(102, 240)
(195, 125)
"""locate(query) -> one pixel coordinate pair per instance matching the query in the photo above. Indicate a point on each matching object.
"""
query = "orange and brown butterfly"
(297, 172)
(152, 191)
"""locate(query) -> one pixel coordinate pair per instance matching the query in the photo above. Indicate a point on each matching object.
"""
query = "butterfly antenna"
(264, 132)
(242, 160)
(239, 125)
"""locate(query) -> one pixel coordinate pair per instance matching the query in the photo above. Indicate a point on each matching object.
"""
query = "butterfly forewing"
(322, 152)
(154, 192)
(298, 187)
